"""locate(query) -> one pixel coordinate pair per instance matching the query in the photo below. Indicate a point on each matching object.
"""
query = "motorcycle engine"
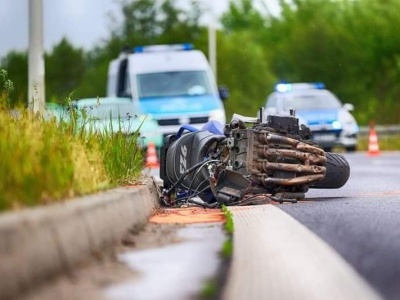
(247, 164)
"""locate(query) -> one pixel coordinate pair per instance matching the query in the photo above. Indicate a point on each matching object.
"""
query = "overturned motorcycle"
(246, 162)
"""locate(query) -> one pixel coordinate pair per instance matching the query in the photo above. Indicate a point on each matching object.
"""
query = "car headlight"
(348, 122)
(336, 124)
(218, 115)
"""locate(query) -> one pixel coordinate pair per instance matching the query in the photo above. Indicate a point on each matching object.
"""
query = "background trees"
(352, 46)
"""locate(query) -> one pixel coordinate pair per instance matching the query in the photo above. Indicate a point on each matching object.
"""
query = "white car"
(118, 115)
(330, 122)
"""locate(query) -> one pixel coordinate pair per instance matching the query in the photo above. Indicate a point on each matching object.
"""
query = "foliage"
(242, 16)
(8, 88)
(122, 157)
(64, 71)
(389, 142)
(51, 165)
(227, 247)
(351, 46)
(51, 158)
(245, 70)
(229, 226)
(17, 68)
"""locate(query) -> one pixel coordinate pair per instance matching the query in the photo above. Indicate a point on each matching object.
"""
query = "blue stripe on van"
(175, 105)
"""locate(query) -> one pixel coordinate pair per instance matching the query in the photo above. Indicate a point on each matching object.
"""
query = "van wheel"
(337, 172)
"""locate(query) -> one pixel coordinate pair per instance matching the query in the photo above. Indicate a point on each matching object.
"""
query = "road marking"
(276, 257)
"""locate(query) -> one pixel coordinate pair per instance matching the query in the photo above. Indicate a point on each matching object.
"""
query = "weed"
(8, 88)
(57, 156)
(229, 220)
(227, 248)
(209, 290)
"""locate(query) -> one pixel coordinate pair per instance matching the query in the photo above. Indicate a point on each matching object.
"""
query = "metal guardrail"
(381, 130)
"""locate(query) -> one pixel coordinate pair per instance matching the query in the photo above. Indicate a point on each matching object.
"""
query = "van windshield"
(167, 84)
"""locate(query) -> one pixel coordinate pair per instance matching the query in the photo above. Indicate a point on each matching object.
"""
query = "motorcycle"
(248, 161)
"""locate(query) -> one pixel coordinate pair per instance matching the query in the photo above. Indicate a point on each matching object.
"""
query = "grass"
(227, 247)
(386, 142)
(209, 290)
(44, 160)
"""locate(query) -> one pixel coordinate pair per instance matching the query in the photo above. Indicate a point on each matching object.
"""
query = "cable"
(191, 169)
(198, 171)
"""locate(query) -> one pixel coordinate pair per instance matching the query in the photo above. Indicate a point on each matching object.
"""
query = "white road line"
(276, 257)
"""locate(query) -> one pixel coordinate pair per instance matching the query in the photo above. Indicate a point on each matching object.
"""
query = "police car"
(330, 122)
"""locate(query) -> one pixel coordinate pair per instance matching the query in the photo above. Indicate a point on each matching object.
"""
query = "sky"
(84, 22)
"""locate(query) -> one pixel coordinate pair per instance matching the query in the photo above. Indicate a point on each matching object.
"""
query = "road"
(361, 220)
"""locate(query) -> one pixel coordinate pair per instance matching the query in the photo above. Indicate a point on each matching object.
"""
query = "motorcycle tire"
(337, 172)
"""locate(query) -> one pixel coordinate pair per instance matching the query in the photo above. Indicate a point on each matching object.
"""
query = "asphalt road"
(362, 219)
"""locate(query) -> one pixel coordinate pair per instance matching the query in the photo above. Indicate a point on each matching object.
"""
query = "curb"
(276, 257)
(37, 244)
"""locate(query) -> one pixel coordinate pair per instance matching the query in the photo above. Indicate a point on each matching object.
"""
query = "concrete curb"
(275, 257)
(36, 244)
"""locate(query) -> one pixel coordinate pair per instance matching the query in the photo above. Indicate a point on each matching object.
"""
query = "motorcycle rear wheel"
(337, 172)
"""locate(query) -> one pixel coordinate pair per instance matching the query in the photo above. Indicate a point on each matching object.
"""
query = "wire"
(196, 192)
(197, 173)
(183, 176)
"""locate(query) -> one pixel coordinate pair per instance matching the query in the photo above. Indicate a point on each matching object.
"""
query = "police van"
(173, 83)
(330, 121)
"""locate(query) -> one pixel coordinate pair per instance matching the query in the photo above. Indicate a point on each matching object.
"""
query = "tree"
(16, 65)
(244, 69)
(352, 46)
(242, 15)
(65, 69)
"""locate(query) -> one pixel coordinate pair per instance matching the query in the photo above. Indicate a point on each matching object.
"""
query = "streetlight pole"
(212, 47)
(36, 88)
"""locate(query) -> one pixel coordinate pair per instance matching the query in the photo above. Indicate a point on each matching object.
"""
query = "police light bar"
(163, 48)
(287, 87)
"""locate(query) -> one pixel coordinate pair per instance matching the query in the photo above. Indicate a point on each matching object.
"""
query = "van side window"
(128, 89)
(122, 74)
(272, 102)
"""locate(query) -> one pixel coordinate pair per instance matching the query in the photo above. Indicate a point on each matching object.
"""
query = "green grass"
(229, 226)
(227, 247)
(44, 160)
(386, 142)
(209, 290)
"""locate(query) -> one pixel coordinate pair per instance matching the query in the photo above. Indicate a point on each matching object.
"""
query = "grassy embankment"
(43, 160)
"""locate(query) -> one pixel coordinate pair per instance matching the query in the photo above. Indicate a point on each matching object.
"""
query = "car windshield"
(166, 84)
(311, 101)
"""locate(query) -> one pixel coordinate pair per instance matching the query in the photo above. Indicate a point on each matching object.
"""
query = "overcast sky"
(83, 22)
